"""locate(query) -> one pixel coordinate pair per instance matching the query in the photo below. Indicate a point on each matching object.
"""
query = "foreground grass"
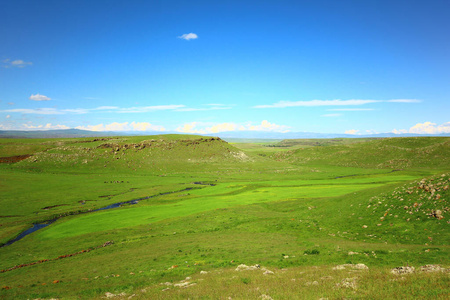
(317, 282)
(302, 283)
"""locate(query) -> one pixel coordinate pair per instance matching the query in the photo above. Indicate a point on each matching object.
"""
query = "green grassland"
(296, 207)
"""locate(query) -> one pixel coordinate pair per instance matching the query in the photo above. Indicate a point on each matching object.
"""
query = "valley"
(180, 205)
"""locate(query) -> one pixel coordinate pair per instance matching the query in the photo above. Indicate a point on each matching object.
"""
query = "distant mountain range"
(60, 133)
(77, 133)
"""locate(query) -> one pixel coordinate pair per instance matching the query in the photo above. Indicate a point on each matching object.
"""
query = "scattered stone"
(348, 283)
(111, 295)
(203, 272)
(268, 272)
(352, 253)
(432, 268)
(243, 267)
(311, 283)
(402, 270)
(182, 284)
(360, 267)
(351, 266)
(265, 297)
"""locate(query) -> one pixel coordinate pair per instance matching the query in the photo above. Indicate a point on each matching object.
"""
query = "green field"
(296, 207)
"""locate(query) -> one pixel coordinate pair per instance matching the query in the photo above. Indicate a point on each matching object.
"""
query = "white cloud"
(48, 126)
(370, 131)
(190, 128)
(430, 128)
(188, 36)
(337, 102)
(351, 131)
(39, 97)
(426, 128)
(267, 126)
(224, 127)
(8, 116)
(115, 126)
(145, 126)
(399, 131)
(18, 63)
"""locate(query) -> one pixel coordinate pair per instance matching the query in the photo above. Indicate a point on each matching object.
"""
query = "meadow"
(310, 219)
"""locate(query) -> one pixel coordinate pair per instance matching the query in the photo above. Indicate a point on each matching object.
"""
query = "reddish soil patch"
(13, 159)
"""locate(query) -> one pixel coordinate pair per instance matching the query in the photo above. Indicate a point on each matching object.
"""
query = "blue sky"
(204, 67)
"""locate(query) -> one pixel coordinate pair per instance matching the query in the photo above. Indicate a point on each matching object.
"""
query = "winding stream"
(38, 226)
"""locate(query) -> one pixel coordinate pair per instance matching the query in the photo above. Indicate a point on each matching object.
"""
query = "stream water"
(36, 227)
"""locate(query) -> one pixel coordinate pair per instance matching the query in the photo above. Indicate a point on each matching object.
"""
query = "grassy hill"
(392, 153)
(192, 204)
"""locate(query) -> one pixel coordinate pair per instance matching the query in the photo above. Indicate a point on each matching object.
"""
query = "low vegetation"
(303, 216)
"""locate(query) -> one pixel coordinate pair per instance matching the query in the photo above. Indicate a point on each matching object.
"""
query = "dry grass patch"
(309, 282)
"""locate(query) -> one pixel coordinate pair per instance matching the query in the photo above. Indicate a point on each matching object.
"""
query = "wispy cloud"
(39, 97)
(337, 102)
(208, 107)
(107, 109)
(37, 111)
(188, 36)
(18, 63)
(112, 109)
(143, 109)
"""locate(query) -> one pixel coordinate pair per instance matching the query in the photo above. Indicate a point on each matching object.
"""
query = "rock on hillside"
(416, 212)
(151, 155)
